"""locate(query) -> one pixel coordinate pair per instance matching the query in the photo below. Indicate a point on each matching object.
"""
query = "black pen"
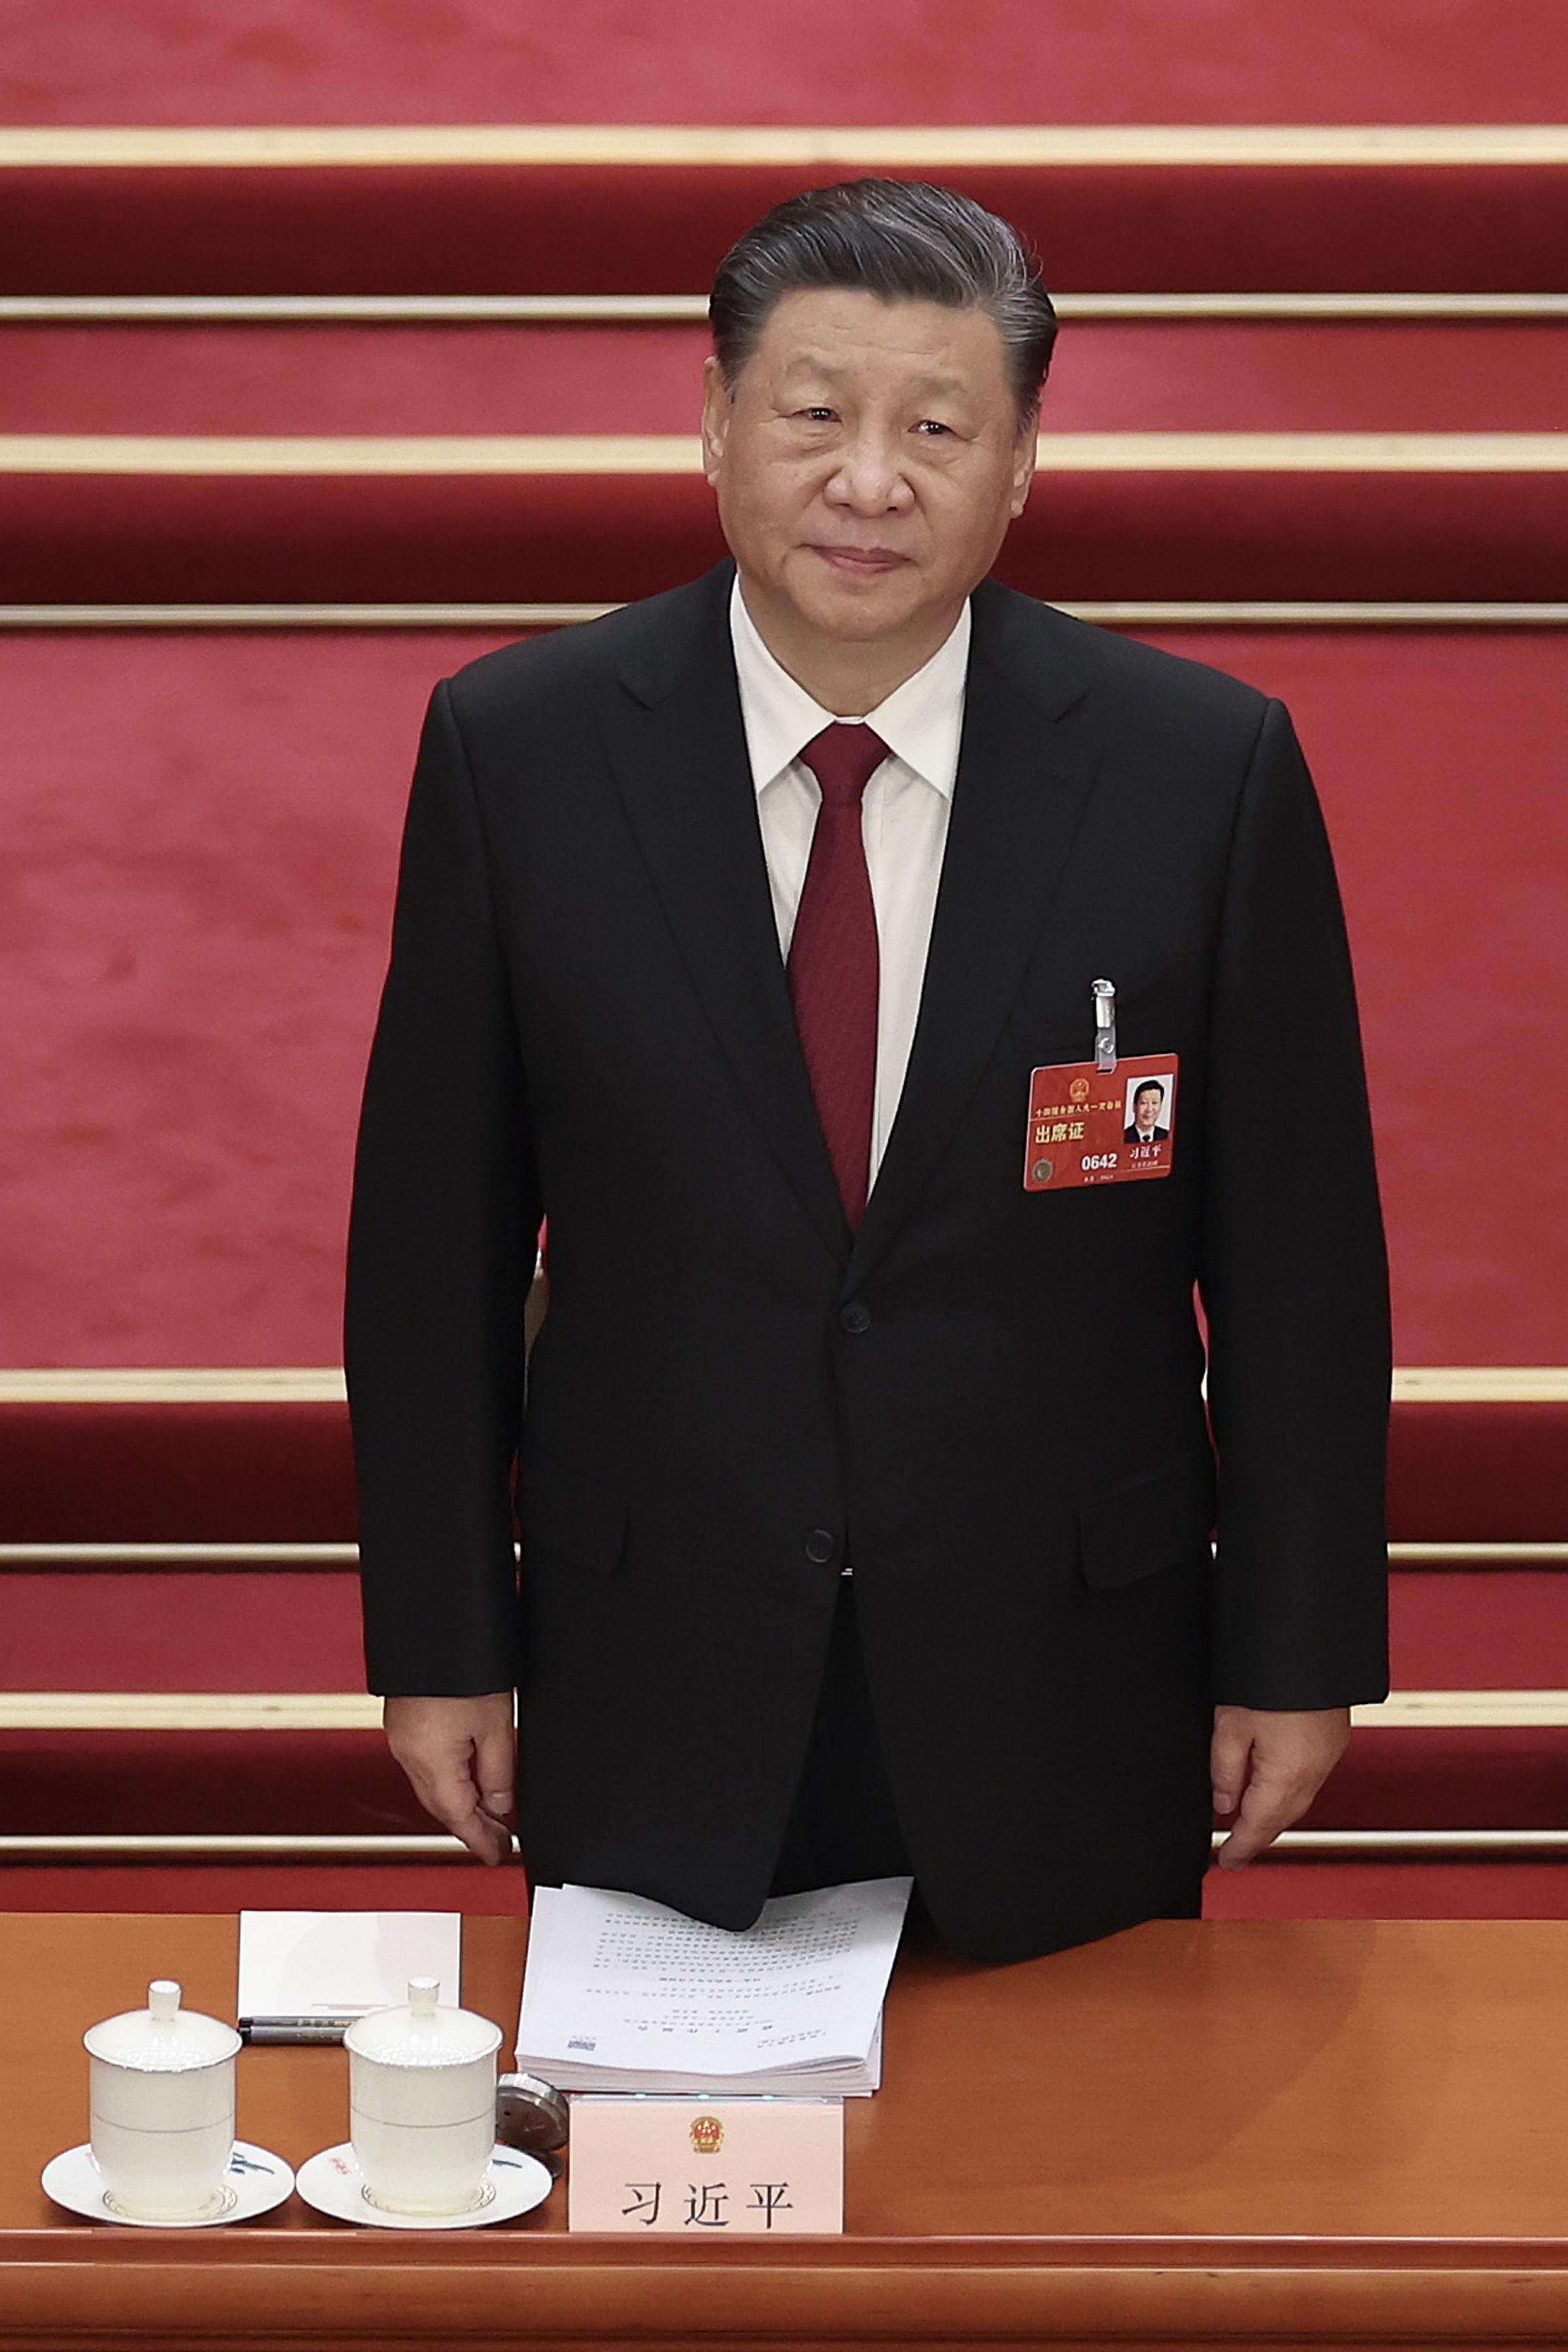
(295, 2028)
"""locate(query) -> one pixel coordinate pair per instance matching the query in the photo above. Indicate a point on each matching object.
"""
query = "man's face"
(1146, 1108)
(869, 462)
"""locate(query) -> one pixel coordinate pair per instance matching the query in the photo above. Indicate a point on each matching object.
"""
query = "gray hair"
(903, 240)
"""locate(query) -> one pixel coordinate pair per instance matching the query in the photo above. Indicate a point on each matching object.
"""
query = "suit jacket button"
(820, 1546)
(855, 1316)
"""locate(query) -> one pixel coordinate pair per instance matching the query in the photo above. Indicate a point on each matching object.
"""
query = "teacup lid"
(162, 2038)
(421, 2033)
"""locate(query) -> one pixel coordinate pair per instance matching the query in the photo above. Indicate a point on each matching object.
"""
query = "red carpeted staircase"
(293, 423)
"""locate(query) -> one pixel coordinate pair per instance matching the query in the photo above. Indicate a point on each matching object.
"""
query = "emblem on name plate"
(707, 2135)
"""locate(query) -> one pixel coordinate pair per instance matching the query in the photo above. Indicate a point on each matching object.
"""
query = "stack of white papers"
(621, 1994)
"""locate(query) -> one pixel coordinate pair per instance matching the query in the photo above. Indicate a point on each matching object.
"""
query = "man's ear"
(716, 407)
(1026, 451)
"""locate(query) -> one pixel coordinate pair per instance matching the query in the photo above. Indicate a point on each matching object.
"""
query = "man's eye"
(931, 425)
(817, 416)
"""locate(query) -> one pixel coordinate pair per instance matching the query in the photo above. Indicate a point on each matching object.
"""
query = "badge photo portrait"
(1161, 1127)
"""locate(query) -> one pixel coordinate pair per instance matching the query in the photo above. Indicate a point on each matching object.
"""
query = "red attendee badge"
(1090, 1126)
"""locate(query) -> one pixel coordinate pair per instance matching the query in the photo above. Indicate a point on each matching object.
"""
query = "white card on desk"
(314, 1968)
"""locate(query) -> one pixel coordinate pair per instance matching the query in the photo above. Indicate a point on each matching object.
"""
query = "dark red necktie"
(833, 959)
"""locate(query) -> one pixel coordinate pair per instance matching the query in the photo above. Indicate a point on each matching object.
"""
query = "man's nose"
(868, 477)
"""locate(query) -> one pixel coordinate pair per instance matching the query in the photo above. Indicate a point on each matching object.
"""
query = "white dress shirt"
(904, 818)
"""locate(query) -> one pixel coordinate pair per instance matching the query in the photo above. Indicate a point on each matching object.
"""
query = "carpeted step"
(1488, 1472)
(1177, 376)
(1079, 61)
(227, 1628)
(202, 1783)
(262, 1883)
(345, 1783)
(1498, 1626)
(196, 1473)
(184, 1627)
(1275, 1889)
(1121, 520)
(1481, 1473)
(1506, 1777)
(593, 223)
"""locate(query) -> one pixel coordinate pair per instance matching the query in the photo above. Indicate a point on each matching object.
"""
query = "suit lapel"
(1020, 792)
(678, 747)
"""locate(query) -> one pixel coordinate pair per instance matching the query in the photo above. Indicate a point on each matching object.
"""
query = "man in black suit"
(729, 932)
(1147, 1104)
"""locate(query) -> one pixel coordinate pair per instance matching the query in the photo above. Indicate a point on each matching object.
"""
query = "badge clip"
(1102, 993)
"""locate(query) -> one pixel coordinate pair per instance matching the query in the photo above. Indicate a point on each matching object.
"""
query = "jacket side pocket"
(1156, 1522)
(569, 1514)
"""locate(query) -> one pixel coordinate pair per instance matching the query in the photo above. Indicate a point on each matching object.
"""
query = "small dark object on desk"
(294, 2029)
(530, 2114)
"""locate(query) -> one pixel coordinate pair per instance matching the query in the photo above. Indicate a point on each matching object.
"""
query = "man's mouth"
(861, 561)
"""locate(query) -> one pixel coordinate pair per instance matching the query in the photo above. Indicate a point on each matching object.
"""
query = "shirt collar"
(921, 721)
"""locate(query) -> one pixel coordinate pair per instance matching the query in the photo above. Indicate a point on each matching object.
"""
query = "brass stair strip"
(1343, 1845)
(246, 1845)
(300, 1711)
(1128, 614)
(1285, 145)
(39, 1557)
(250, 455)
(324, 1384)
(689, 310)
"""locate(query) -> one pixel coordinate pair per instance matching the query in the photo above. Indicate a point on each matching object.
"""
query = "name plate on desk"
(740, 2167)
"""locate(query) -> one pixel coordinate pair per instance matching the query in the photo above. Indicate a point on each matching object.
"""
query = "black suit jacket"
(587, 1015)
(1155, 1134)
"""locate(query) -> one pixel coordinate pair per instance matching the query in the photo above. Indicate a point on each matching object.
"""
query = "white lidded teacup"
(163, 2108)
(422, 2102)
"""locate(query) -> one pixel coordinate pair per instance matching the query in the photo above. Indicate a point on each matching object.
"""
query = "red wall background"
(193, 911)
(199, 829)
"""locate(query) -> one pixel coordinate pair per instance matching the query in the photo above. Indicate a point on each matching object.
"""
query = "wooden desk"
(1301, 2133)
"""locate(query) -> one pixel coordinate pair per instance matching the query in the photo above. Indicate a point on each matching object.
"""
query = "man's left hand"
(1267, 1766)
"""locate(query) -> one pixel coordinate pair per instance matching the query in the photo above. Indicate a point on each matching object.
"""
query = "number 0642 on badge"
(1089, 1126)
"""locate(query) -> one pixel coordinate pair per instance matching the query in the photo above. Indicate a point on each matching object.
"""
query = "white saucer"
(255, 2182)
(333, 2183)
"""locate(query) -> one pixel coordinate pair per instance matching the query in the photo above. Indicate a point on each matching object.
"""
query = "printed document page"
(615, 1982)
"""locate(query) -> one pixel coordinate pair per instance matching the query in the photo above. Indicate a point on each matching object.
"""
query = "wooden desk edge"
(317, 2290)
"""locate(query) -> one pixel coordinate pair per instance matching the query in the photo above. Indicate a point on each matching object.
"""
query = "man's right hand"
(458, 1756)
